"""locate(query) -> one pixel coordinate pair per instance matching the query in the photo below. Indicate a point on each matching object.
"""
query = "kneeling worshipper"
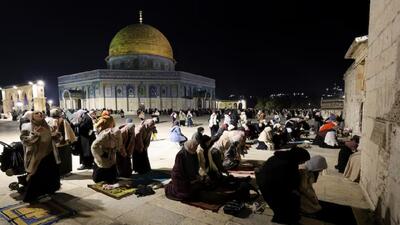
(40, 159)
(186, 181)
(308, 175)
(225, 153)
(353, 167)
(187, 184)
(279, 181)
(265, 139)
(104, 148)
(346, 151)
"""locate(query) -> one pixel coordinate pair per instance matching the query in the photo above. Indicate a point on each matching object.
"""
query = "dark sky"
(249, 48)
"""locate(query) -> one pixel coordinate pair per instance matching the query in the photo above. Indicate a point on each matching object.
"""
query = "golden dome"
(140, 39)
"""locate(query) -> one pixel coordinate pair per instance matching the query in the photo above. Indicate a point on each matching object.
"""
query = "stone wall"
(380, 143)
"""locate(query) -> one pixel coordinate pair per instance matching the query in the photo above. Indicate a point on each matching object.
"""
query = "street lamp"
(50, 102)
(30, 83)
(15, 87)
(40, 82)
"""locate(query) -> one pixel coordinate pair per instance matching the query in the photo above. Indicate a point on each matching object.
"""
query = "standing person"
(40, 158)
(279, 181)
(140, 157)
(141, 115)
(156, 116)
(189, 119)
(182, 118)
(104, 150)
(86, 137)
(124, 163)
(213, 123)
(173, 117)
(60, 125)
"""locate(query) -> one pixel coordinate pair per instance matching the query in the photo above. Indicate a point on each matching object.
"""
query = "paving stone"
(190, 221)
(88, 215)
(151, 215)
(205, 216)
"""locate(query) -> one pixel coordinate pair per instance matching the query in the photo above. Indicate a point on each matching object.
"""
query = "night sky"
(249, 48)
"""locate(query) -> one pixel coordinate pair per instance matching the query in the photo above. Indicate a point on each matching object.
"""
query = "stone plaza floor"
(96, 208)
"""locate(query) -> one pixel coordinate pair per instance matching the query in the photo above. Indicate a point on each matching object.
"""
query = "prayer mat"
(38, 213)
(243, 170)
(204, 205)
(116, 193)
(334, 214)
(154, 176)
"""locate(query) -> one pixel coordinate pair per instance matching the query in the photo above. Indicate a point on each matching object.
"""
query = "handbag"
(12, 159)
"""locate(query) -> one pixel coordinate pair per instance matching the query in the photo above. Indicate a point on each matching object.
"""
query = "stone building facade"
(141, 75)
(354, 89)
(330, 106)
(24, 97)
(380, 142)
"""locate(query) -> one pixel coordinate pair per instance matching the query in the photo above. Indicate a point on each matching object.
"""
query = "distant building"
(331, 105)
(141, 74)
(231, 104)
(354, 88)
(23, 97)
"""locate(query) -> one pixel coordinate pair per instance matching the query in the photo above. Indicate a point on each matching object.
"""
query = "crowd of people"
(203, 162)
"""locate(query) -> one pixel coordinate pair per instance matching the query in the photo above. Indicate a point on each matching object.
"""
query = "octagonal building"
(140, 75)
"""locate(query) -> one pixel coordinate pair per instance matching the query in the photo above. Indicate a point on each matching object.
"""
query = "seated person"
(353, 167)
(197, 135)
(330, 139)
(345, 152)
(225, 153)
(176, 135)
(279, 180)
(265, 139)
(308, 175)
(186, 180)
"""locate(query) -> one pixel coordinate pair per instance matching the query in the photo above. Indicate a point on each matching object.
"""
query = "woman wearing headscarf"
(185, 178)
(308, 175)
(346, 151)
(104, 150)
(175, 134)
(140, 158)
(279, 180)
(124, 164)
(25, 119)
(41, 158)
(225, 153)
(60, 125)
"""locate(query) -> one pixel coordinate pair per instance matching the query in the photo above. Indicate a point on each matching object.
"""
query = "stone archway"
(66, 96)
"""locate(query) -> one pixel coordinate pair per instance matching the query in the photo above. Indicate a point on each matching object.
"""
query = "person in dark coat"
(346, 151)
(86, 138)
(140, 158)
(185, 173)
(40, 158)
(279, 180)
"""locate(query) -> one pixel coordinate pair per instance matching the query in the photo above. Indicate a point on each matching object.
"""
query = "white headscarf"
(316, 163)
(28, 115)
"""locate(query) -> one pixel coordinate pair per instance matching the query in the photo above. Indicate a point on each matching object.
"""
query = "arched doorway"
(66, 97)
